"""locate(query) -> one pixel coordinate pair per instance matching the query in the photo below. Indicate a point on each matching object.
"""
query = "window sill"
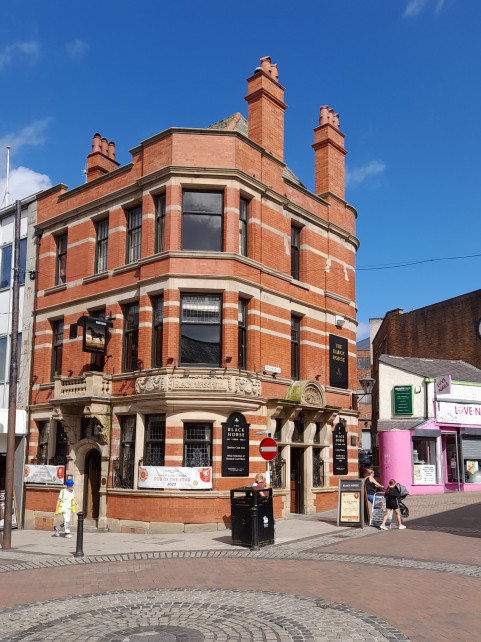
(56, 288)
(96, 277)
(46, 386)
(126, 268)
(299, 284)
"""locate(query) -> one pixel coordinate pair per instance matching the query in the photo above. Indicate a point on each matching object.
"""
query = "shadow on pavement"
(465, 521)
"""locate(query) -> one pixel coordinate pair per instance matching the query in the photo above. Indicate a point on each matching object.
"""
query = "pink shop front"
(435, 456)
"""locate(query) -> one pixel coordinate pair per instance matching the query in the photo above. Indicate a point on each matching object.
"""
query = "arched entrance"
(92, 476)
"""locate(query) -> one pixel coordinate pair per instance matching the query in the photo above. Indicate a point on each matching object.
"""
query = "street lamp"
(367, 384)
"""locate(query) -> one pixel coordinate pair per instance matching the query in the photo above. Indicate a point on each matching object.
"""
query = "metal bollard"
(255, 524)
(80, 535)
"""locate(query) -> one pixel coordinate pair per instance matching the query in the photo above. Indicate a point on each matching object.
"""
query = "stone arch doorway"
(92, 475)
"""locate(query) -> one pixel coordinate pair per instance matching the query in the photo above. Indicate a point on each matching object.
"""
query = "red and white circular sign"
(268, 449)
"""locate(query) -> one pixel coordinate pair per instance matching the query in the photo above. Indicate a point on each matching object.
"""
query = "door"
(297, 490)
(451, 468)
(92, 484)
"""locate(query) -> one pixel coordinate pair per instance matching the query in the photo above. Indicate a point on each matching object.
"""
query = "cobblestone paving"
(306, 549)
(192, 616)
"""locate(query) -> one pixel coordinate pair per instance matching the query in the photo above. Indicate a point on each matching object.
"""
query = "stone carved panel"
(172, 383)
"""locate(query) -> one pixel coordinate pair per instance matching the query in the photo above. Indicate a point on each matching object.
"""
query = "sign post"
(268, 450)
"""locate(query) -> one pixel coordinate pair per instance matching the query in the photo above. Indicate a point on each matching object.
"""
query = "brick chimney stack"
(265, 97)
(102, 158)
(329, 154)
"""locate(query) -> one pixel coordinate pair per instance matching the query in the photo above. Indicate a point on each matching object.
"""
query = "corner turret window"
(202, 221)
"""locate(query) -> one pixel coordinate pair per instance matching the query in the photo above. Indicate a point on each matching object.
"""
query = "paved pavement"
(318, 582)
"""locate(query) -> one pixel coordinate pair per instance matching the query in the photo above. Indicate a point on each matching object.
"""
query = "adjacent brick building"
(227, 293)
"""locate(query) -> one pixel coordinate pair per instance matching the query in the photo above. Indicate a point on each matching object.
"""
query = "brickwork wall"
(219, 161)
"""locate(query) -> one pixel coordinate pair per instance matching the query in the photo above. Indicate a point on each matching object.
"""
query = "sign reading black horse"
(339, 448)
(235, 446)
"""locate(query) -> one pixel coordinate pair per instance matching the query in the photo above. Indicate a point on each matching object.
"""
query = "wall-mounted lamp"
(367, 384)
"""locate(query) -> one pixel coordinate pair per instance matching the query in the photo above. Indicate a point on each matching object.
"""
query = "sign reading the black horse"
(235, 446)
(338, 370)
(339, 448)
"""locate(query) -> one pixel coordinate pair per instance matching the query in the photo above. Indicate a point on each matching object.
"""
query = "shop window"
(61, 260)
(134, 235)
(159, 245)
(154, 449)
(89, 429)
(243, 226)
(57, 348)
(101, 246)
(197, 445)
(424, 460)
(242, 334)
(295, 252)
(471, 447)
(295, 347)
(6, 267)
(124, 466)
(130, 352)
(202, 218)
(200, 329)
(157, 330)
(298, 432)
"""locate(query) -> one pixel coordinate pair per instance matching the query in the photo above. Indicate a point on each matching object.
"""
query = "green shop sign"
(402, 400)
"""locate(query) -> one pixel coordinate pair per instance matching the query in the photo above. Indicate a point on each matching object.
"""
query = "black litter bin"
(252, 517)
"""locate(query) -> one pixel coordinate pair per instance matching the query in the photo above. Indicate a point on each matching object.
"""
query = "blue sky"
(404, 76)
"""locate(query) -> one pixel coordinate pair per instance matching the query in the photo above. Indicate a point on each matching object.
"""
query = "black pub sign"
(235, 446)
(338, 374)
(339, 449)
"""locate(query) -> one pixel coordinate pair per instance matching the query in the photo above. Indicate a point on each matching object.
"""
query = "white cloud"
(77, 48)
(33, 134)
(22, 183)
(29, 50)
(362, 330)
(358, 175)
(414, 7)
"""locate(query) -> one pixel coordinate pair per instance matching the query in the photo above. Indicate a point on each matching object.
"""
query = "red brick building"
(224, 293)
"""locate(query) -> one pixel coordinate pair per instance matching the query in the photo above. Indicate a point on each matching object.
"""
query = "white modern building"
(27, 279)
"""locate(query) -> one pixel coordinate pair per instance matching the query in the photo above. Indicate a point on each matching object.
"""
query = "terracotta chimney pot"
(96, 143)
(112, 150)
(105, 146)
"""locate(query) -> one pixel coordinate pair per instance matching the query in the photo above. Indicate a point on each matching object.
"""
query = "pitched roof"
(364, 344)
(459, 370)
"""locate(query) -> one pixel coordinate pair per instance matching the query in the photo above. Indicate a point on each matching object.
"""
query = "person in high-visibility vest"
(65, 506)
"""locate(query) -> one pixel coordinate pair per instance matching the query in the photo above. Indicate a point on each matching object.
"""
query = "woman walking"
(371, 484)
(392, 503)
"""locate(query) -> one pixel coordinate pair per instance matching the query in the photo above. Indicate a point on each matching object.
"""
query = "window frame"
(157, 330)
(295, 347)
(3, 371)
(296, 252)
(186, 460)
(97, 360)
(133, 241)
(57, 348)
(125, 471)
(160, 209)
(242, 315)
(61, 242)
(186, 212)
(158, 442)
(182, 323)
(244, 205)
(22, 261)
(101, 246)
(130, 337)
(6, 270)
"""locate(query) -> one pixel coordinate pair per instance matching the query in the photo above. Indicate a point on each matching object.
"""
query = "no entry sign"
(268, 449)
